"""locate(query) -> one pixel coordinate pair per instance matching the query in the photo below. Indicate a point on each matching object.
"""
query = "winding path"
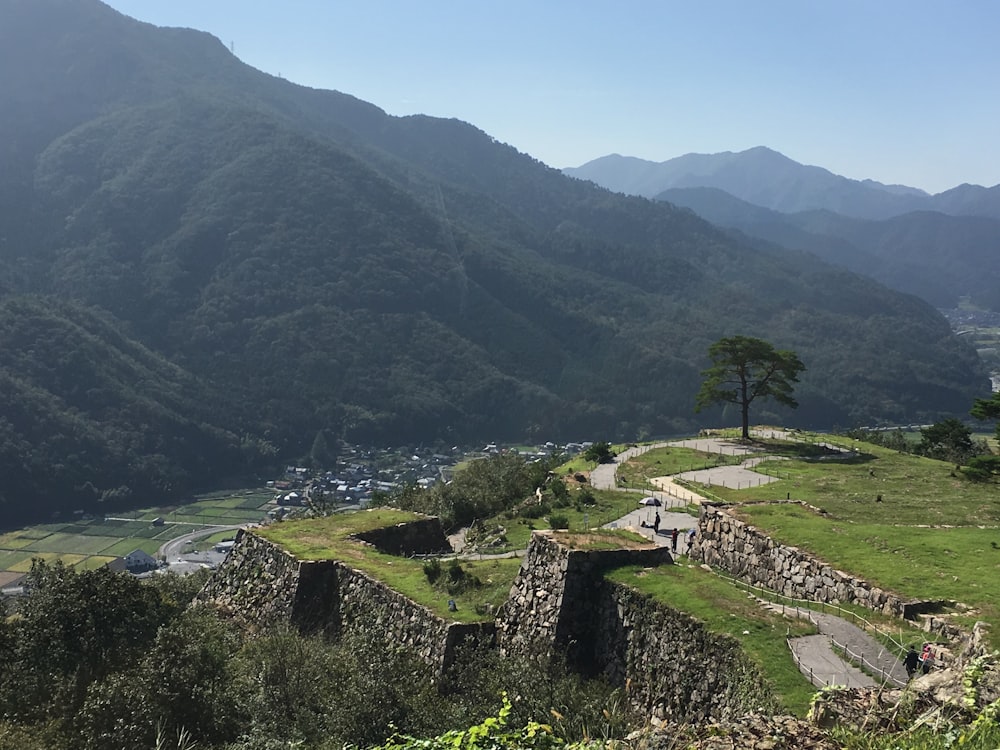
(170, 550)
(818, 656)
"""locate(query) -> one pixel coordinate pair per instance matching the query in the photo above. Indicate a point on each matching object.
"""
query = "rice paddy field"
(88, 543)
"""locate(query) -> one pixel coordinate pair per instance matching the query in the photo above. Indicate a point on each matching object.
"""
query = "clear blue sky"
(901, 91)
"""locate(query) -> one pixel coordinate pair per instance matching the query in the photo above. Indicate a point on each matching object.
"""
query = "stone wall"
(368, 605)
(256, 584)
(423, 537)
(675, 668)
(727, 543)
(261, 585)
(551, 597)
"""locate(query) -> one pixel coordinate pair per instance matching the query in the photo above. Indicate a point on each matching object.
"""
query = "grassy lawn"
(601, 539)
(660, 462)
(727, 610)
(914, 490)
(956, 564)
(934, 535)
(87, 544)
(608, 506)
(329, 538)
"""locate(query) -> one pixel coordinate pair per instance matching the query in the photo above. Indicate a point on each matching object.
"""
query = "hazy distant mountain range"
(940, 247)
(205, 269)
(769, 179)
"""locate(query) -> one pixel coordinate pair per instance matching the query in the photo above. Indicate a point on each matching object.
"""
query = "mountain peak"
(758, 175)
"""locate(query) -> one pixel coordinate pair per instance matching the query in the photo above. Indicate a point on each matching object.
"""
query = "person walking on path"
(656, 523)
(691, 533)
(910, 662)
(926, 658)
(673, 540)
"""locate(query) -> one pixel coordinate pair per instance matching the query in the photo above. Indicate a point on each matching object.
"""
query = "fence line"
(808, 672)
(873, 669)
(811, 605)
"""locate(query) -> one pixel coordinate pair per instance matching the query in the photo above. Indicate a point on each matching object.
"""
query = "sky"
(900, 91)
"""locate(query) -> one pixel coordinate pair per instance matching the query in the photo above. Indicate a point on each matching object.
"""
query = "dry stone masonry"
(551, 597)
(727, 543)
(675, 668)
(262, 585)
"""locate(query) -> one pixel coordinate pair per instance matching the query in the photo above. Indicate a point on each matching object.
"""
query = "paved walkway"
(860, 647)
(818, 656)
(635, 519)
(820, 664)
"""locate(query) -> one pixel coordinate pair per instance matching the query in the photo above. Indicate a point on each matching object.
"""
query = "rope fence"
(877, 671)
(809, 605)
(805, 608)
(811, 675)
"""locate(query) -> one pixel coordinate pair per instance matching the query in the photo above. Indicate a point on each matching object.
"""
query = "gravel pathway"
(818, 656)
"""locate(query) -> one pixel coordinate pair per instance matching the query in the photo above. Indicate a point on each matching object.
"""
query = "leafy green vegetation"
(97, 659)
(745, 369)
(905, 523)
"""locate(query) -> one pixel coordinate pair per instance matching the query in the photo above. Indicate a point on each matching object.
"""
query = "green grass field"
(660, 462)
(87, 544)
(609, 506)
(933, 535)
(330, 538)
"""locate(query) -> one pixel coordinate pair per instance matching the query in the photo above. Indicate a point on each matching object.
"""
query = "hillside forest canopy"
(203, 267)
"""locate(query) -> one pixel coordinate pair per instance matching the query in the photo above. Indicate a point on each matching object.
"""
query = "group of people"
(922, 661)
(674, 533)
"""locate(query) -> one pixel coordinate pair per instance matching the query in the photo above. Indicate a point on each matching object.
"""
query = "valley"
(206, 275)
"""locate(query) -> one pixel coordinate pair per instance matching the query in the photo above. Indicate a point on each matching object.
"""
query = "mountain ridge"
(938, 257)
(770, 179)
(326, 267)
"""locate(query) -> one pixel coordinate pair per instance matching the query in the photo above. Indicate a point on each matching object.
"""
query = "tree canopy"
(745, 369)
(987, 409)
(947, 440)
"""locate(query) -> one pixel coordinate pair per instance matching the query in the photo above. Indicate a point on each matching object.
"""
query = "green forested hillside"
(90, 419)
(939, 258)
(303, 262)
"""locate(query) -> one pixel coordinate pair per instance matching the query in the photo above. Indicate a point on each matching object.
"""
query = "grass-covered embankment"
(725, 609)
(331, 538)
(933, 535)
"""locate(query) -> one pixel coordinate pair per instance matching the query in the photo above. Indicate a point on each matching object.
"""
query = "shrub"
(558, 521)
(432, 569)
(535, 510)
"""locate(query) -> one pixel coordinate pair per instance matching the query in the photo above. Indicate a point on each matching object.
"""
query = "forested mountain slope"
(328, 267)
(90, 419)
(939, 258)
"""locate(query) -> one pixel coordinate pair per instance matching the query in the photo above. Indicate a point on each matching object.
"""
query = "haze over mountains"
(204, 268)
(940, 247)
(766, 178)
